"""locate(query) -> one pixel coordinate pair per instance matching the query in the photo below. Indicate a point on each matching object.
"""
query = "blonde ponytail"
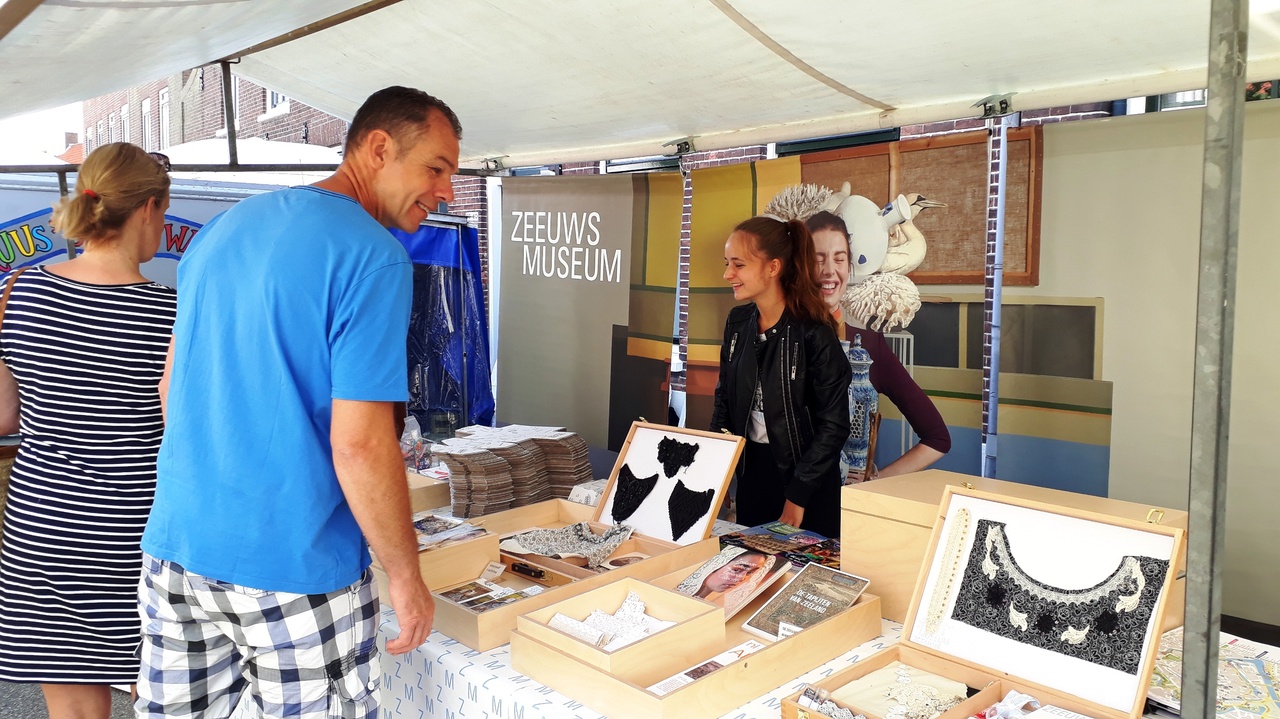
(115, 180)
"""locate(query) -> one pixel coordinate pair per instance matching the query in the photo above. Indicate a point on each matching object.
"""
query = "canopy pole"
(1215, 332)
(997, 128)
(229, 112)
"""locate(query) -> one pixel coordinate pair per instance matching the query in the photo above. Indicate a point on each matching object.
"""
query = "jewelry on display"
(1105, 624)
(957, 533)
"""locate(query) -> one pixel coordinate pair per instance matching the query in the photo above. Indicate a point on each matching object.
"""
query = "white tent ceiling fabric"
(539, 81)
(70, 50)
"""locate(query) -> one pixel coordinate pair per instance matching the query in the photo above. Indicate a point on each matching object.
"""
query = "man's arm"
(370, 470)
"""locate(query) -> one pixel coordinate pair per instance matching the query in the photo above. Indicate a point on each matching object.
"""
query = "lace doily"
(1105, 624)
(575, 540)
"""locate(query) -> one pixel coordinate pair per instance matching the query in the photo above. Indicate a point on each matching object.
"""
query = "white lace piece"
(998, 556)
(917, 701)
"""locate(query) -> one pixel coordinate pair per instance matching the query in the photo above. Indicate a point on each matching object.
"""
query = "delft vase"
(863, 404)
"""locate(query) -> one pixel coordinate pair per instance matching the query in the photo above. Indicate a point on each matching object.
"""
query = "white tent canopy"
(543, 81)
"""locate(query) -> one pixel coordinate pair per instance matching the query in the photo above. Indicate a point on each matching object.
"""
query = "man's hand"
(366, 456)
(792, 514)
(415, 610)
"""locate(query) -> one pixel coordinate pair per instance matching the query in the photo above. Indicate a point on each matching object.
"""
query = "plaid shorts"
(205, 643)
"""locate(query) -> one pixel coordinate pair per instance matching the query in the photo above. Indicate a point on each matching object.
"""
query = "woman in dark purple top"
(888, 376)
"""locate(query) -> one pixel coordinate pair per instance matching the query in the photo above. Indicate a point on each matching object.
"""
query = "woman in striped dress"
(83, 344)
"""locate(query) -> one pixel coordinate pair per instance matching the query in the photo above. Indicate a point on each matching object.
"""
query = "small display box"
(697, 672)
(885, 526)
(1059, 603)
(698, 630)
(427, 492)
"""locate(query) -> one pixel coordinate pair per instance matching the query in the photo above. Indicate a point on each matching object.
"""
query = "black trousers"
(762, 494)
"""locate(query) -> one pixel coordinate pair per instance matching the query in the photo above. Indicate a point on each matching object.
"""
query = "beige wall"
(1121, 218)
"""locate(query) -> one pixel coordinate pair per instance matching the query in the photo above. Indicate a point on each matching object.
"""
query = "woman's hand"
(792, 514)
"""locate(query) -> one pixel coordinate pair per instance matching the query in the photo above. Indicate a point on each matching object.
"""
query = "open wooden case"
(1059, 603)
(450, 564)
(621, 687)
(558, 579)
(667, 484)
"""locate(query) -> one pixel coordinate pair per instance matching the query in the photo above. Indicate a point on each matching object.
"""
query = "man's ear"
(378, 147)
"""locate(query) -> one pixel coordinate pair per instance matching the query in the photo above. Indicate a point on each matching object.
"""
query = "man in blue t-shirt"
(280, 456)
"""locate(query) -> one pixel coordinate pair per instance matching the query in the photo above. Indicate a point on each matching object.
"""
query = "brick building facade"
(189, 107)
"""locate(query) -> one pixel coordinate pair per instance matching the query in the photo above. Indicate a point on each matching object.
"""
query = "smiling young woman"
(784, 380)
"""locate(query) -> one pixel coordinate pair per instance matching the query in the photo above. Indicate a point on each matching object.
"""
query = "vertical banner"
(722, 197)
(574, 248)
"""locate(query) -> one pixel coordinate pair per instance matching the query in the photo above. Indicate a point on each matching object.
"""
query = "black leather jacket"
(805, 385)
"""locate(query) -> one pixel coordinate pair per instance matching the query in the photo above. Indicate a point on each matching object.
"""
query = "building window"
(1181, 100)
(103, 137)
(88, 140)
(277, 104)
(148, 141)
(112, 130)
(164, 119)
(124, 124)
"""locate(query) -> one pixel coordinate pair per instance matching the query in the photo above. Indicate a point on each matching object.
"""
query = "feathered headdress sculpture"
(879, 294)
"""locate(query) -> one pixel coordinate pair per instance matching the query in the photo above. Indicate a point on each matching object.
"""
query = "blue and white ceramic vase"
(863, 403)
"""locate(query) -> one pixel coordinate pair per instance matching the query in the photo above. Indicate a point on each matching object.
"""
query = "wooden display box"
(623, 694)
(993, 689)
(560, 579)
(995, 675)
(427, 492)
(885, 526)
(699, 629)
(447, 566)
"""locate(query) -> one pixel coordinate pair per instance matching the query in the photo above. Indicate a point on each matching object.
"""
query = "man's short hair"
(401, 112)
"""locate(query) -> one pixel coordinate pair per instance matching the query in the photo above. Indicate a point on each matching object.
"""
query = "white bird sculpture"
(907, 245)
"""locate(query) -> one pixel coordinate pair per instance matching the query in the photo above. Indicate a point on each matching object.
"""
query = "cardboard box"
(1065, 540)
(885, 526)
(623, 692)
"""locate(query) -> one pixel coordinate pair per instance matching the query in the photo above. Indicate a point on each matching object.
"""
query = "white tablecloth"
(443, 678)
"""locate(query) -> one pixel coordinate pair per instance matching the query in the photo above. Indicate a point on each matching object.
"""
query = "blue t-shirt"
(287, 301)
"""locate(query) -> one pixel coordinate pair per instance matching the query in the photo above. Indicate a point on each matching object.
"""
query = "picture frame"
(669, 482)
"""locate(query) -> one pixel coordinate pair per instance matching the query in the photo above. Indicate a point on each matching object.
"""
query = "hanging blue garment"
(448, 343)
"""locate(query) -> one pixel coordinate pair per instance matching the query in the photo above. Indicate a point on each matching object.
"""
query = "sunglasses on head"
(162, 159)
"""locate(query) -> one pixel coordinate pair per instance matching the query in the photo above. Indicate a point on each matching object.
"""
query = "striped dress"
(87, 359)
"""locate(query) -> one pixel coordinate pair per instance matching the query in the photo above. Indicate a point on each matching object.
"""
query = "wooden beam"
(13, 12)
(305, 30)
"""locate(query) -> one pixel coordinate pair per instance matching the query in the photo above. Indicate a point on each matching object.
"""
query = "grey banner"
(566, 266)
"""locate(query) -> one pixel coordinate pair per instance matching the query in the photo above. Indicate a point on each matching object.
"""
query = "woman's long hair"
(791, 244)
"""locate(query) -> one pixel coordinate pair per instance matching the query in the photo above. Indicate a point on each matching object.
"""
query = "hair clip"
(91, 193)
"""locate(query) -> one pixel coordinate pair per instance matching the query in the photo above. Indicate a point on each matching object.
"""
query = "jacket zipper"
(788, 408)
(732, 344)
